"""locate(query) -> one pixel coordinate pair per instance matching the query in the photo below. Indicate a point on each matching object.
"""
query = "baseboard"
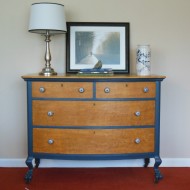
(166, 162)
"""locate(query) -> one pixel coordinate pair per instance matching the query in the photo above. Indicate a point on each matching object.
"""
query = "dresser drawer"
(125, 89)
(90, 141)
(62, 89)
(93, 113)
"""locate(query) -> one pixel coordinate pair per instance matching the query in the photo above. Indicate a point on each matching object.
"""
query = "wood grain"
(93, 113)
(62, 89)
(89, 141)
(126, 89)
(74, 76)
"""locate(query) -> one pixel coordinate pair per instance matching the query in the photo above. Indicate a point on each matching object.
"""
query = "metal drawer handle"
(107, 90)
(137, 113)
(81, 90)
(137, 140)
(42, 89)
(146, 89)
(50, 141)
(50, 113)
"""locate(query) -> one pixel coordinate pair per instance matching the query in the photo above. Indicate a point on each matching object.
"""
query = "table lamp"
(47, 19)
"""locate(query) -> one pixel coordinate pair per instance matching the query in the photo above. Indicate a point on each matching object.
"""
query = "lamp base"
(47, 71)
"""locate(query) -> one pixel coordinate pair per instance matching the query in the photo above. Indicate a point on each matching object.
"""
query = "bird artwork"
(98, 65)
(96, 70)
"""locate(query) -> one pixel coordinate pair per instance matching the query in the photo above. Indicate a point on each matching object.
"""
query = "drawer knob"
(107, 90)
(146, 89)
(137, 113)
(42, 89)
(50, 141)
(137, 140)
(50, 113)
(81, 90)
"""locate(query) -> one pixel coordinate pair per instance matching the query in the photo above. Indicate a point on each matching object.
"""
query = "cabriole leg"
(28, 176)
(158, 175)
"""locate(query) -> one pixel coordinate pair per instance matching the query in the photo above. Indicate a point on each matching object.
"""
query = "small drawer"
(90, 141)
(62, 89)
(125, 89)
(93, 113)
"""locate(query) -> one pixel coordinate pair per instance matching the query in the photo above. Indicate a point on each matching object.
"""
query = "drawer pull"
(137, 140)
(50, 141)
(42, 89)
(107, 90)
(50, 113)
(81, 90)
(137, 113)
(146, 89)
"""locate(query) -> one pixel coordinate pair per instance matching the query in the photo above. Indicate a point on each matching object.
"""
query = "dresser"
(93, 118)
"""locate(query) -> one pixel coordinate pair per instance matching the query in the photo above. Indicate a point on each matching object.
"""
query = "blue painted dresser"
(93, 118)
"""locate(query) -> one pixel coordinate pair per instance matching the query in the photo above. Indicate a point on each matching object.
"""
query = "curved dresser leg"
(37, 162)
(158, 175)
(28, 176)
(146, 162)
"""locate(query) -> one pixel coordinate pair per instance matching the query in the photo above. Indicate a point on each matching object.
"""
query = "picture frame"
(90, 42)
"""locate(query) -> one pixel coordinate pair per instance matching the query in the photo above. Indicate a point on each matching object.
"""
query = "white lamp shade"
(47, 16)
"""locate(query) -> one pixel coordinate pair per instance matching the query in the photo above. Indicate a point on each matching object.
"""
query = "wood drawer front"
(101, 141)
(62, 89)
(93, 113)
(125, 89)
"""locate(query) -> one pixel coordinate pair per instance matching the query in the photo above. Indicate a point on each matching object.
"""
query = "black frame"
(123, 67)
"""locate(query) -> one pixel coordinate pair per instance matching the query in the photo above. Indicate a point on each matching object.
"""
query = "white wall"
(164, 24)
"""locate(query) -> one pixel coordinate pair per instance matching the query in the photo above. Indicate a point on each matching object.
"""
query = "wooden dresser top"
(74, 76)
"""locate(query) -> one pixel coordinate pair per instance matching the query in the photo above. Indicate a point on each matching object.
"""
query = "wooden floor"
(95, 179)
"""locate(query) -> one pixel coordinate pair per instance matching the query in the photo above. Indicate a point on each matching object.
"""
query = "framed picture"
(88, 43)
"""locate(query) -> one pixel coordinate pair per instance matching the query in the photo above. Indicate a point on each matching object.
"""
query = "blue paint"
(37, 156)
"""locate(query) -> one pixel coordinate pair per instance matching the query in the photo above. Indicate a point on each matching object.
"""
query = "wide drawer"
(93, 113)
(62, 89)
(125, 89)
(90, 141)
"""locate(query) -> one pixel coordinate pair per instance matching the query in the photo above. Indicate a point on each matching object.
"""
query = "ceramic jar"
(143, 60)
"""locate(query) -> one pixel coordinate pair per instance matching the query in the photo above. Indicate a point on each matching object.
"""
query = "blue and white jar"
(143, 60)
